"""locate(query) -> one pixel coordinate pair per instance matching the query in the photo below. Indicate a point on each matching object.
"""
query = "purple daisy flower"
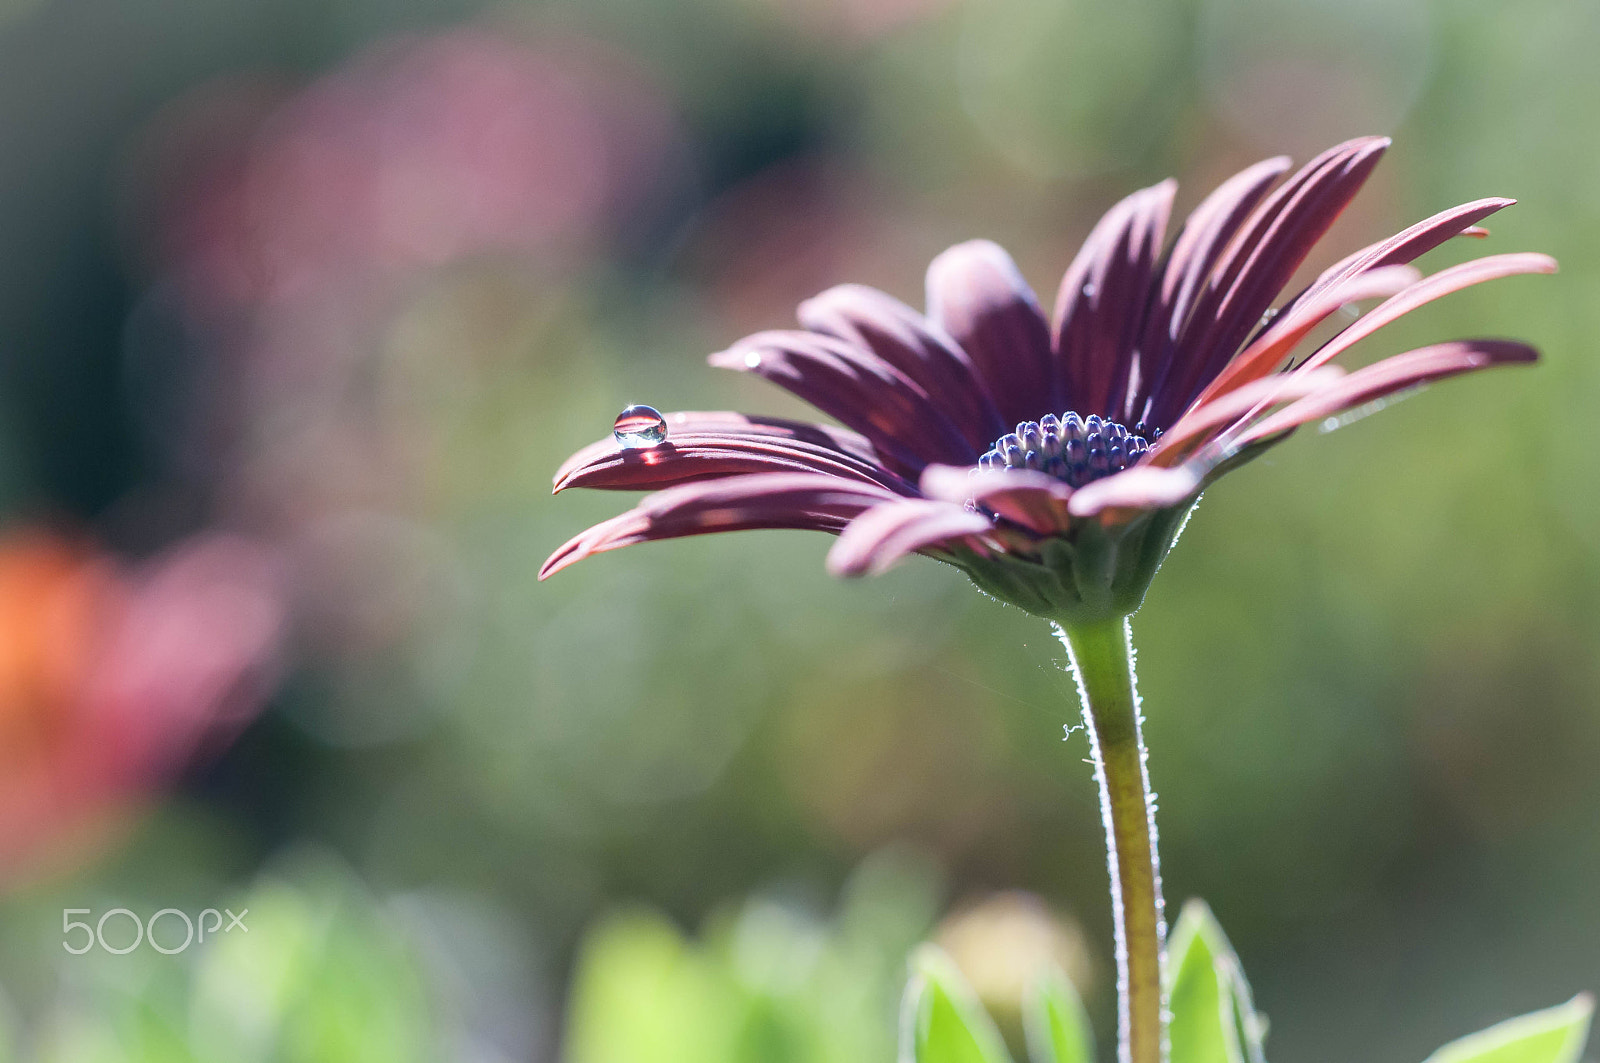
(1054, 461)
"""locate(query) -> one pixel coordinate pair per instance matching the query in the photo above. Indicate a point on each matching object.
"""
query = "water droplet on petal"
(752, 360)
(1266, 319)
(640, 426)
(1089, 290)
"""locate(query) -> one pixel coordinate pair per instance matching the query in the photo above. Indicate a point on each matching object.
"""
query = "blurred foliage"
(350, 280)
(767, 983)
(1212, 1017)
(319, 973)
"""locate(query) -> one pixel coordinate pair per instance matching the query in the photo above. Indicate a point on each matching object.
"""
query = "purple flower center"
(1073, 449)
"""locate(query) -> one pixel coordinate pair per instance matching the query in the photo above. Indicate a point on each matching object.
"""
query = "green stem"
(1102, 657)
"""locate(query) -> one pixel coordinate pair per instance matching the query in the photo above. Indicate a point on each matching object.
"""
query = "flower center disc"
(1072, 449)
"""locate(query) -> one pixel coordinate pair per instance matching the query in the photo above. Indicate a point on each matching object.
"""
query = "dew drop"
(752, 360)
(1089, 290)
(638, 427)
(1266, 319)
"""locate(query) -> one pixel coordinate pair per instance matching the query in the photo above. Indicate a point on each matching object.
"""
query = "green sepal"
(1213, 1014)
(1094, 574)
(1554, 1035)
(941, 1020)
(1054, 1022)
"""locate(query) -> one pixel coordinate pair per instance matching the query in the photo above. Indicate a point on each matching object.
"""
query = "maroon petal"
(1427, 290)
(812, 501)
(859, 389)
(1141, 487)
(977, 295)
(1268, 351)
(702, 446)
(1206, 233)
(1259, 262)
(690, 459)
(867, 318)
(1410, 244)
(1388, 376)
(1032, 499)
(1100, 310)
(877, 539)
(747, 424)
(1193, 428)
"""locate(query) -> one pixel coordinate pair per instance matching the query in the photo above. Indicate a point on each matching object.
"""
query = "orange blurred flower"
(112, 677)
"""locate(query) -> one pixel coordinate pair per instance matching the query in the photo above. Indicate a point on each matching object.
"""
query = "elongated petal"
(977, 296)
(744, 423)
(882, 536)
(705, 445)
(1035, 500)
(812, 501)
(1140, 487)
(859, 389)
(1259, 262)
(900, 336)
(1194, 427)
(1288, 226)
(1412, 243)
(689, 459)
(1388, 376)
(1205, 234)
(1263, 356)
(1427, 290)
(1104, 296)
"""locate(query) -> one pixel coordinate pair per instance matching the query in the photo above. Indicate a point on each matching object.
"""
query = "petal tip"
(960, 259)
(844, 562)
(850, 569)
(1138, 487)
(978, 243)
(555, 563)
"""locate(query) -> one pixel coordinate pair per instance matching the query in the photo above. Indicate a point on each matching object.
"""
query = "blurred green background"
(349, 279)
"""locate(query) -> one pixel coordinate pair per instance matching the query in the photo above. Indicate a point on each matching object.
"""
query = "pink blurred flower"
(291, 230)
(113, 677)
(419, 152)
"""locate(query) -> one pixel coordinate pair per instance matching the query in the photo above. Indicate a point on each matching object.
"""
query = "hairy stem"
(1102, 658)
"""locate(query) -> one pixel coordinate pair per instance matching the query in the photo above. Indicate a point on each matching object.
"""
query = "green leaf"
(1213, 1016)
(941, 1020)
(1249, 1025)
(1555, 1035)
(322, 976)
(642, 994)
(1054, 1022)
